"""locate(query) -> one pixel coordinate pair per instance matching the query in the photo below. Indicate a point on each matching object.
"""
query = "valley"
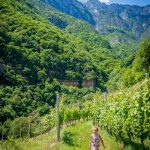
(94, 55)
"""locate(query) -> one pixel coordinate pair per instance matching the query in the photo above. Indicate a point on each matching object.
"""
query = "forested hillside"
(42, 44)
(35, 52)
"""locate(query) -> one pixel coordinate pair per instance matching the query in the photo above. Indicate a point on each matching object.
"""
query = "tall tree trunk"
(122, 139)
(143, 146)
(129, 135)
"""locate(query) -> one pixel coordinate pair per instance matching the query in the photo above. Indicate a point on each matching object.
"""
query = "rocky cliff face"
(73, 8)
(119, 23)
(120, 18)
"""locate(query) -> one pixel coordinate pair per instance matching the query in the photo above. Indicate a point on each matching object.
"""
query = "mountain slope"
(115, 17)
(121, 25)
(40, 45)
(132, 20)
(34, 52)
(70, 24)
(73, 8)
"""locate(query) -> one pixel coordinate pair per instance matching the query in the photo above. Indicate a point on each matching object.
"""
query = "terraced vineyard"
(57, 70)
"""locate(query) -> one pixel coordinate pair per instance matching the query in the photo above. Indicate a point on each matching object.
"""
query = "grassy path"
(77, 138)
(80, 134)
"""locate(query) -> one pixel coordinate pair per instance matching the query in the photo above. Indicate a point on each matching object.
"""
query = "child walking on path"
(95, 140)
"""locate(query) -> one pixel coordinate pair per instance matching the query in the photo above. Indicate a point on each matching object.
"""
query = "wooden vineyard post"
(29, 127)
(20, 132)
(57, 118)
(13, 131)
(105, 96)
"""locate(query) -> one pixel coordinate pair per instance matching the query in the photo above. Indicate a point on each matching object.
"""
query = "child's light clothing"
(95, 142)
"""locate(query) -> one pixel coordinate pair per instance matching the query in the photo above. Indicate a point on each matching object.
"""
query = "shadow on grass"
(135, 145)
(67, 138)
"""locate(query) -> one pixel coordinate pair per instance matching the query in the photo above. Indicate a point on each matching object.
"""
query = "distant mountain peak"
(73, 8)
(96, 4)
(133, 19)
(108, 18)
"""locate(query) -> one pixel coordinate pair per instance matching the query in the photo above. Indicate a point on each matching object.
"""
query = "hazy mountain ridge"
(73, 8)
(108, 19)
(134, 19)
(118, 23)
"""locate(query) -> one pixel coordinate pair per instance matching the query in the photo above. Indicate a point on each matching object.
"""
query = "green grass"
(76, 138)
(80, 135)
(42, 142)
(136, 145)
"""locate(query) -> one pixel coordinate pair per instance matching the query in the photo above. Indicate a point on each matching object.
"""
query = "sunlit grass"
(42, 142)
(79, 135)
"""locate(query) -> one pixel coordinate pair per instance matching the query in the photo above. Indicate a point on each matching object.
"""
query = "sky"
(130, 2)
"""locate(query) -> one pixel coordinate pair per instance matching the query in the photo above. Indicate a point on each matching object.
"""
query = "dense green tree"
(143, 55)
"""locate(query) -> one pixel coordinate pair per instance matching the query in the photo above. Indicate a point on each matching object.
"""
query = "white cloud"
(105, 1)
